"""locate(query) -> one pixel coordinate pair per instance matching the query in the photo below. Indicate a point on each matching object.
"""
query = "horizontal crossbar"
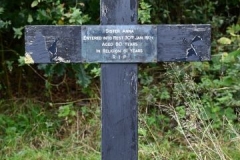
(117, 43)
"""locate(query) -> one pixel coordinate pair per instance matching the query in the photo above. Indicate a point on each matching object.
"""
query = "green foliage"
(26, 121)
(67, 112)
(3, 24)
(144, 10)
(217, 13)
(57, 12)
(62, 14)
(213, 86)
(224, 86)
(35, 130)
(12, 22)
(198, 93)
(82, 78)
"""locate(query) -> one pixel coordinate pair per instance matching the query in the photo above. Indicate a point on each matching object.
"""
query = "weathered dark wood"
(118, 12)
(184, 42)
(119, 91)
(119, 111)
(168, 43)
(39, 38)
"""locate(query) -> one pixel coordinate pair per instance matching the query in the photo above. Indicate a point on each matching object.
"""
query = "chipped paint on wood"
(53, 44)
(65, 41)
(184, 42)
(28, 59)
(119, 92)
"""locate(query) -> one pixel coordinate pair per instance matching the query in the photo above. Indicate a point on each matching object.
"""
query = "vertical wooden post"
(119, 91)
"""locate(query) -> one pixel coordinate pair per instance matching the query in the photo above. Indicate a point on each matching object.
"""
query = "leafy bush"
(16, 15)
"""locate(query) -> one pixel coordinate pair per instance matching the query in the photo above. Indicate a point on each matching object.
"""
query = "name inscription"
(125, 43)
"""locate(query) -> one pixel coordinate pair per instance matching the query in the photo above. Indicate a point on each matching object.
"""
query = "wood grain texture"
(39, 38)
(119, 91)
(118, 12)
(172, 43)
(184, 42)
(119, 111)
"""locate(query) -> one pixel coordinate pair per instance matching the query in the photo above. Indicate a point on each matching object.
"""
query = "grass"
(183, 143)
(32, 130)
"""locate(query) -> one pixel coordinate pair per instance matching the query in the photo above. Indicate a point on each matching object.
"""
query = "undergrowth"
(28, 130)
(72, 131)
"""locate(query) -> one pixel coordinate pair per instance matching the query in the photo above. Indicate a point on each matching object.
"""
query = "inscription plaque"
(125, 43)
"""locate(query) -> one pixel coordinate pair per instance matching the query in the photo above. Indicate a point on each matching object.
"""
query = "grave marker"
(118, 44)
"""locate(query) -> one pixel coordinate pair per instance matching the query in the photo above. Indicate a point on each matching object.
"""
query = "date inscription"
(125, 43)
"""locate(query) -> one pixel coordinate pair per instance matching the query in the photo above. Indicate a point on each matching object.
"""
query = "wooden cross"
(118, 44)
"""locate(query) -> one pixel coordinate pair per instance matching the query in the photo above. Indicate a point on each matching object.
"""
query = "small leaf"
(96, 71)
(9, 65)
(30, 19)
(224, 40)
(82, 78)
(142, 132)
(1, 10)
(227, 81)
(60, 69)
(60, 22)
(18, 32)
(34, 3)
(47, 84)
(21, 61)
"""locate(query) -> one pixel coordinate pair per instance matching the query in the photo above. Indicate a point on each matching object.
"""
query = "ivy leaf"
(18, 32)
(60, 69)
(82, 78)
(21, 61)
(42, 15)
(47, 68)
(96, 72)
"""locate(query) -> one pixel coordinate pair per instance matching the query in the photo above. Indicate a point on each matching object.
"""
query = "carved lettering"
(92, 38)
(118, 38)
(113, 51)
(107, 44)
(139, 38)
(127, 31)
(119, 43)
(131, 44)
(129, 37)
(136, 50)
(112, 31)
